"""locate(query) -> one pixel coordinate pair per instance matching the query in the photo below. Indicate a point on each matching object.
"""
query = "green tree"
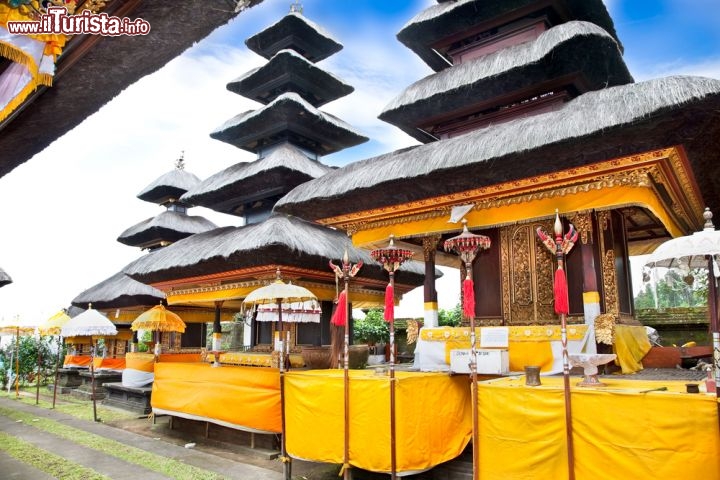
(675, 290)
(373, 328)
(451, 317)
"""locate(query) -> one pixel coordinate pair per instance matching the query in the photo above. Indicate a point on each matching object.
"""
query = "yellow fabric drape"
(429, 431)
(109, 363)
(144, 362)
(620, 431)
(77, 361)
(239, 397)
(630, 345)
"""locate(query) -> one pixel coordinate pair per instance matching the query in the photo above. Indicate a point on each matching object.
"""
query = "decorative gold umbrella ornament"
(158, 319)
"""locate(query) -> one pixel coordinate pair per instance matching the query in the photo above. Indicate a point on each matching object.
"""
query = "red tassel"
(389, 303)
(339, 318)
(468, 298)
(560, 291)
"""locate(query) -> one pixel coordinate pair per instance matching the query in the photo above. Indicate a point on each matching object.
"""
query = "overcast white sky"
(63, 210)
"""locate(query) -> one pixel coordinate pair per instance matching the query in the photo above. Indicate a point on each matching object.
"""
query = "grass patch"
(166, 466)
(45, 461)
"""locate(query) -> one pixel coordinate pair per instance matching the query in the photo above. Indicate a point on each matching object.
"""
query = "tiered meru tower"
(497, 61)
(289, 133)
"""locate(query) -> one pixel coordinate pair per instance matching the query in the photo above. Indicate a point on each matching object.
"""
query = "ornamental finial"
(180, 162)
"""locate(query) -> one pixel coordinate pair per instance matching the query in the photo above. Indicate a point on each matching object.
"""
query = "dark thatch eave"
(596, 126)
(298, 33)
(280, 171)
(169, 226)
(169, 186)
(119, 291)
(105, 68)
(287, 71)
(279, 240)
(288, 117)
(4, 278)
(439, 22)
(579, 53)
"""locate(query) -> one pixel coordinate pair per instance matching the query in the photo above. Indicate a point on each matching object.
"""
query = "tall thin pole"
(287, 467)
(17, 362)
(37, 383)
(92, 378)
(712, 305)
(346, 374)
(393, 447)
(474, 389)
(57, 367)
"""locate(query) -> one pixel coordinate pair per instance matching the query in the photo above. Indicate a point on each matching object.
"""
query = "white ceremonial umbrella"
(88, 324)
(699, 250)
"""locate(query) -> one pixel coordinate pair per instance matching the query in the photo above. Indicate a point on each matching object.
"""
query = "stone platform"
(68, 379)
(133, 399)
(84, 391)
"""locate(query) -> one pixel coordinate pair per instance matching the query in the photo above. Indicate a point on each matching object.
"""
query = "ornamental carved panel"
(527, 276)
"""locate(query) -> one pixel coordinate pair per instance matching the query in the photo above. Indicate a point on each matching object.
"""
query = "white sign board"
(494, 337)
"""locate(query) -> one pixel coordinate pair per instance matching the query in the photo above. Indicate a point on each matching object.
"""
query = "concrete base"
(135, 400)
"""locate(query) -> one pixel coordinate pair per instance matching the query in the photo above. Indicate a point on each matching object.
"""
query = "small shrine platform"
(68, 379)
(84, 391)
(133, 399)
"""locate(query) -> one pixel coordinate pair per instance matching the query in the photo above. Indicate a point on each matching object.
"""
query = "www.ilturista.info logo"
(58, 21)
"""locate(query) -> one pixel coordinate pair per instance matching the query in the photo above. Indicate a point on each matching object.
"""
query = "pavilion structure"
(289, 134)
(530, 110)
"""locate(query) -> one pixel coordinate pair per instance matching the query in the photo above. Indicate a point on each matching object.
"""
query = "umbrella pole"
(92, 380)
(17, 363)
(346, 382)
(37, 383)
(287, 467)
(393, 448)
(712, 305)
(566, 393)
(57, 367)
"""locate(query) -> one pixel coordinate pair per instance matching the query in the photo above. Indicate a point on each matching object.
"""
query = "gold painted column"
(591, 294)
(430, 317)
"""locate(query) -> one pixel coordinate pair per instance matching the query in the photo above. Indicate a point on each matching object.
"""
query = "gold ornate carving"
(603, 221)
(520, 267)
(505, 272)
(610, 284)
(430, 244)
(545, 274)
(583, 224)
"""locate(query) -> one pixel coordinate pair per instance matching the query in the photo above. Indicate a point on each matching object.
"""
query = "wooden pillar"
(591, 294)
(217, 329)
(430, 243)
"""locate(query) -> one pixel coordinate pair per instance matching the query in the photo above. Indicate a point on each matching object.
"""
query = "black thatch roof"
(4, 278)
(119, 291)
(579, 52)
(98, 68)
(596, 126)
(279, 240)
(280, 171)
(446, 20)
(168, 226)
(169, 186)
(288, 118)
(287, 71)
(298, 33)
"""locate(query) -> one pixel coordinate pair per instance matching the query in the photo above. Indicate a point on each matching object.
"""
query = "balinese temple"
(123, 298)
(531, 110)
(289, 134)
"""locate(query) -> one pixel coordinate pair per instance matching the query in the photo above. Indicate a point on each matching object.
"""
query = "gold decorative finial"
(180, 162)
(558, 224)
(296, 7)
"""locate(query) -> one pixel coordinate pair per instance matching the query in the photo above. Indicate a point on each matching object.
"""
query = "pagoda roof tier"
(119, 291)
(597, 126)
(289, 118)
(4, 278)
(284, 168)
(169, 186)
(288, 71)
(296, 32)
(233, 253)
(434, 29)
(169, 226)
(576, 55)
